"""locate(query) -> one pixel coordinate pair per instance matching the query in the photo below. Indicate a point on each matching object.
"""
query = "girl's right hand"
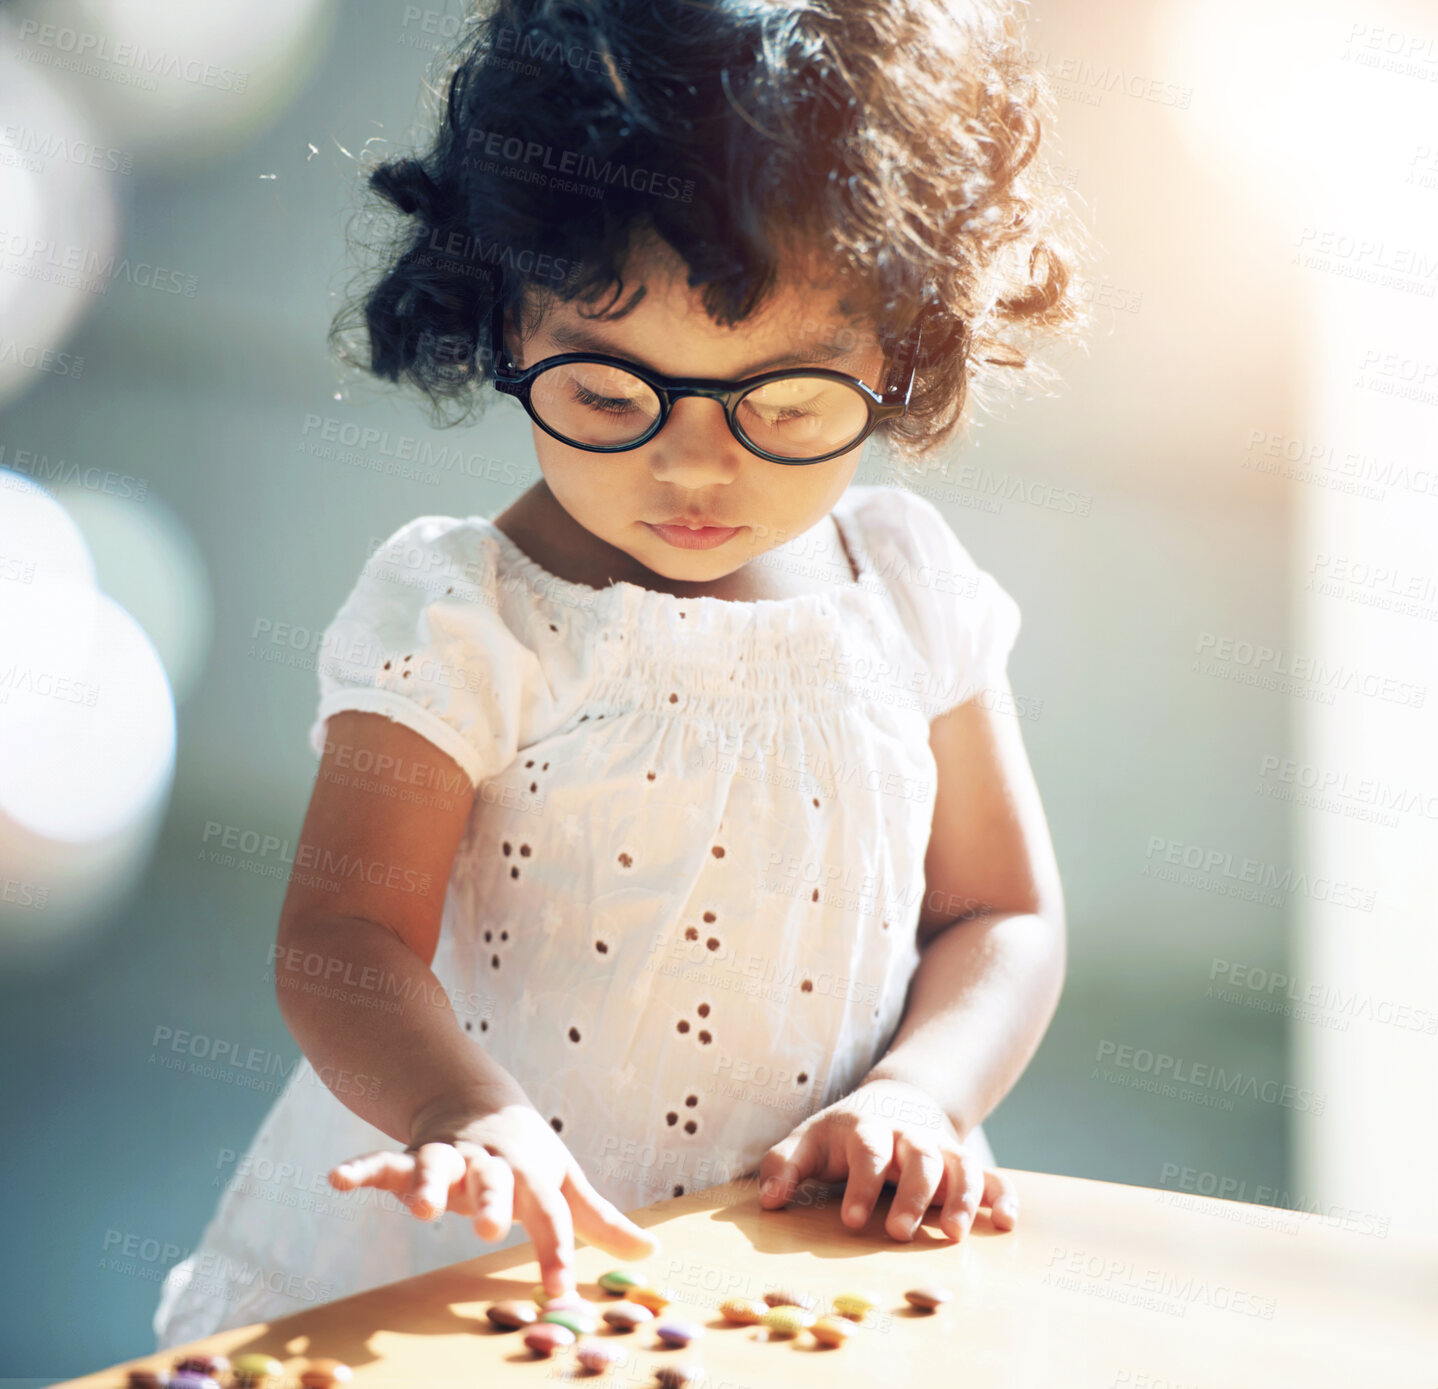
(496, 1168)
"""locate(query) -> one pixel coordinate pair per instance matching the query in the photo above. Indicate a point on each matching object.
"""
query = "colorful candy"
(656, 1299)
(786, 1320)
(598, 1356)
(580, 1323)
(212, 1365)
(626, 1315)
(743, 1311)
(254, 1367)
(551, 1323)
(569, 1302)
(855, 1306)
(831, 1331)
(544, 1338)
(783, 1297)
(678, 1376)
(927, 1297)
(183, 1379)
(510, 1316)
(325, 1373)
(619, 1280)
(678, 1333)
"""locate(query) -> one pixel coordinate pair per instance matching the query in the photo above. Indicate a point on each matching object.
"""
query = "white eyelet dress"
(683, 911)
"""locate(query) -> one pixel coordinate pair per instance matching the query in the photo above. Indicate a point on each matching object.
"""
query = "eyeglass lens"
(605, 407)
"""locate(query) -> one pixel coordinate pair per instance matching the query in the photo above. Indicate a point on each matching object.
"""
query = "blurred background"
(1222, 532)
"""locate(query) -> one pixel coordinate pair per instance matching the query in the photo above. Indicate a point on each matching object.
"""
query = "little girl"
(672, 825)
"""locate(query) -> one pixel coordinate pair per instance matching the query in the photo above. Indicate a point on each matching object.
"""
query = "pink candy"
(547, 1337)
(598, 1356)
(570, 1302)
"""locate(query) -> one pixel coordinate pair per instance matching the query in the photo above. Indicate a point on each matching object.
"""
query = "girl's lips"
(705, 538)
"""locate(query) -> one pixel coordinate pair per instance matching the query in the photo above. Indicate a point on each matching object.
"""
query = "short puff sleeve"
(961, 621)
(422, 639)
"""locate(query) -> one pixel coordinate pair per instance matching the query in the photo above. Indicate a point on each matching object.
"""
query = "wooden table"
(1101, 1285)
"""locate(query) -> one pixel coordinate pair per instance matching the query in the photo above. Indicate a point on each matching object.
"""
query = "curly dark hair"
(894, 144)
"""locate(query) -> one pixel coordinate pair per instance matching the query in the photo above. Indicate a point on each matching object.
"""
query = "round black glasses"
(609, 405)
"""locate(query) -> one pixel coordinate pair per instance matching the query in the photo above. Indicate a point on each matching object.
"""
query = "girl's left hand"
(862, 1137)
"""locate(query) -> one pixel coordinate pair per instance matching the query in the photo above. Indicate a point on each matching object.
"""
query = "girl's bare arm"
(992, 929)
(360, 925)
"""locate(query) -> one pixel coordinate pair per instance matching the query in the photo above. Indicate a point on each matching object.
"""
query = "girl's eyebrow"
(572, 338)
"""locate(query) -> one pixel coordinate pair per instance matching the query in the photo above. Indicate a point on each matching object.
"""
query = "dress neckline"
(538, 577)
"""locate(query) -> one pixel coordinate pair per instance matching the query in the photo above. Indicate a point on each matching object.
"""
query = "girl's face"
(694, 467)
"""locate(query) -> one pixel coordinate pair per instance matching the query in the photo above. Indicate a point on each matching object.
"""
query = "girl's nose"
(695, 446)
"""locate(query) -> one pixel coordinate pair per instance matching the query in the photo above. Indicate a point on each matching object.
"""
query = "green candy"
(619, 1280)
(577, 1322)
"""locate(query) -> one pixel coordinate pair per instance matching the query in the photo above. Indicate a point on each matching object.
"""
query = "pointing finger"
(546, 1216)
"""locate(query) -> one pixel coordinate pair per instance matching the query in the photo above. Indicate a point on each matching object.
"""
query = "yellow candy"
(255, 1366)
(831, 1331)
(743, 1311)
(854, 1305)
(539, 1295)
(656, 1299)
(787, 1320)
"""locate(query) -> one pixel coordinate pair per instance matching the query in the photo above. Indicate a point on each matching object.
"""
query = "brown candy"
(143, 1377)
(926, 1298)
(510, 1316)
(324, 1373)
(783, 1297)
(678, 1376)
(626, 1315)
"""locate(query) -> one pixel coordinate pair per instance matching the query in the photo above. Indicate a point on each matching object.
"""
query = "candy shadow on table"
(330, 1329)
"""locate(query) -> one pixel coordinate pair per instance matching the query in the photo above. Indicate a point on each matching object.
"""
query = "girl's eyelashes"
(607, 404)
